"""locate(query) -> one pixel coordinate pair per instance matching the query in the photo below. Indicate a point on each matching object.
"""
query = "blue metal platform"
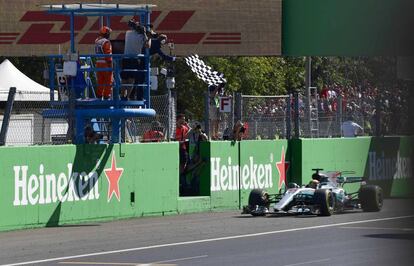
(84, 110)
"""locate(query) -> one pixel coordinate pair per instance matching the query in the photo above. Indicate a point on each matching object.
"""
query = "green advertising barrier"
(265, 165)
(337, 154)
(384, 161)
(49, 185)
(54, 185)
(389, 165)
(224, 189)
(236, 168)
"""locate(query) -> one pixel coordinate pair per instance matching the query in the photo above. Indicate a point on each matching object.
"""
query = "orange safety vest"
(103, 46)
(104, 78)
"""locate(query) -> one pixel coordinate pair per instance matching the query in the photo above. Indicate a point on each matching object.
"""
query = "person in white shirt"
(136, 41)
(350, 129)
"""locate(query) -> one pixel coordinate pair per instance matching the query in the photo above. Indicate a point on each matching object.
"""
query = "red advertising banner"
(205, 27)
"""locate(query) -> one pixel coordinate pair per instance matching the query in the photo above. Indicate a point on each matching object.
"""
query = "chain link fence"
(286, 116)
(27, 125)
(220, 116)
(264, 117)
(165, 108)
(369, 112)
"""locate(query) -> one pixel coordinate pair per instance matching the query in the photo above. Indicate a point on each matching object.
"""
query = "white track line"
(104, 263)
(308, 262)
(180, 259)
(207, 240)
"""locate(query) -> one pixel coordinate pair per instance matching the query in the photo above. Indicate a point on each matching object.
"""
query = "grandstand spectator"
(351, 129)
(155, 134)
(324, 92)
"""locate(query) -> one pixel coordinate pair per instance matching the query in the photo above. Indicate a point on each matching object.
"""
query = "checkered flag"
(203, 71)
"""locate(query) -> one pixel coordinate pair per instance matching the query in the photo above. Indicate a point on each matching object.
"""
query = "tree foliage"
(280, 75)
(247, 75)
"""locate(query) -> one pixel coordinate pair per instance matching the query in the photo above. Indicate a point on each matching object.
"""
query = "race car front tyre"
(258, 200)
(371, 198)
(325, 200)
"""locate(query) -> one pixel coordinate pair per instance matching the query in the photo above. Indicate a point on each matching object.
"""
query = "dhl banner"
(205, 27)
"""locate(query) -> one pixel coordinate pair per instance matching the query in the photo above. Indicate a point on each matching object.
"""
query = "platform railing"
(80, 107)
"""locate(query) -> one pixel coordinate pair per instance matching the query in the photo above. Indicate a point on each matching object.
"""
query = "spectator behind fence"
(135, 42)
(214, 115)
(239, 131)
(227, 134)
(195, 136)
(181, 133)
(351, 129)
(104, 78)
(91, 136)
(155, 134)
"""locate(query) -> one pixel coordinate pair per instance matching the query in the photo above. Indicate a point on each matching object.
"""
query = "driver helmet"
(313, 183)
(316, 176)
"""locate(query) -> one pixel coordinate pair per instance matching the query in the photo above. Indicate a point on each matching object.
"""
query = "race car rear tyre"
(258, 197)
(326, 201)
(371, 198)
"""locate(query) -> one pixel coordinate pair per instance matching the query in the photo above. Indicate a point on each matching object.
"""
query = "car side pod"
(371, 198)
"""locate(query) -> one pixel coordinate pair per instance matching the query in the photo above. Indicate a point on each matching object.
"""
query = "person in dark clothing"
(239, 130)
(156, 44)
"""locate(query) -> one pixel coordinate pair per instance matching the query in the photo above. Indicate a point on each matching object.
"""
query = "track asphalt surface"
(223, 238)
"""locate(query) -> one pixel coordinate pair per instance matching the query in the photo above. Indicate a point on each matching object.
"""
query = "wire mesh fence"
(220, 120)
(332, 112)
(273, 117)
(163, 122)
(264, 116)
(28, 126)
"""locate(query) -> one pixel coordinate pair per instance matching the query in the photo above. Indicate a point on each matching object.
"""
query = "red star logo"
(282, 167)
(113, 175)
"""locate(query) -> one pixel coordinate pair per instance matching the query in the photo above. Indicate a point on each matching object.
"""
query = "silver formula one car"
(323, 196)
